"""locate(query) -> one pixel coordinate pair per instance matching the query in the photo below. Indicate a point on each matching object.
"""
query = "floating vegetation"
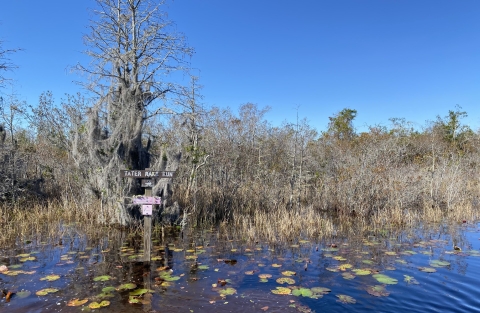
(410, 280)
(282, 291)
(102, 278)
(50, 277)
(348, 276)
(346, 299)
(77, 302)
(96, 305)
(439, 263)
(361, 272)
(127, 286)
(289, 273)
(227, 291)
(285, 280)
(384, 279)
(46, 291)
(304, 292)
(377, 291)
(217, 275)
(427, 269)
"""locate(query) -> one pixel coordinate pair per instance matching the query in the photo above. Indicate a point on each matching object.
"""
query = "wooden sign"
(147, 174)
(147, 200)
(147, 209)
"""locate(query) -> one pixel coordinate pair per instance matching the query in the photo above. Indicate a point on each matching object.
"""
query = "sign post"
(147, 202)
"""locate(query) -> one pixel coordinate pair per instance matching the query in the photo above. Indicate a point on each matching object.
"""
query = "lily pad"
(344, 267)
(138, 292)
(108, 289)
(361, 272)
(384, 279)
(346, 299)
(348, 276)
(227, 291)
(378, 291)
(102, 278)
(265, 276)
(127, 286)
(304, 292)
(50, 277)
(96, 305)
(22, 294)
(76, 302)
(320, 290)
(203, 267)
(410, 280)
(339, 258)
(439, 263)
(282, 291)
(30, 258)
(427, 269)
(286, 280)
(288, 273)
(367, 261)
(46, 291)
(276, 265)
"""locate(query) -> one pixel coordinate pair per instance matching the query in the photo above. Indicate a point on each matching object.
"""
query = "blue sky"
(409, 59)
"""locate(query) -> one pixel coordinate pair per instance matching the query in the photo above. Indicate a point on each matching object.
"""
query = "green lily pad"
(138, 292)
(304, 292)
(361, 272)
(378, 291)
(108, 289)
(384, 279)
(227, 291)
(30, 258)
(367, 261)
(346, 299)
(203, 267)
(339, 258)
(439, 263)
(22, 294)
(102, 278)
(96, 305)
(285, 280)
(127, 286)
(46, 291)
(23, 255)
(50, 277)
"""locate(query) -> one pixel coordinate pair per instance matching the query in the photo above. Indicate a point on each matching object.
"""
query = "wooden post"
(147, 231)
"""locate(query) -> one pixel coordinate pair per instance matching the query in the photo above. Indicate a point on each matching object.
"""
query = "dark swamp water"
(410, 271)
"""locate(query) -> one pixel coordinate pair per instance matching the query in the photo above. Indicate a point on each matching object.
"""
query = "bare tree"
(133, 47)
(5, 63)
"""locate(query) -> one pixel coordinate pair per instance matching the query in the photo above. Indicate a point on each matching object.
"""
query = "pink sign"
(147, 209)
(147, 200)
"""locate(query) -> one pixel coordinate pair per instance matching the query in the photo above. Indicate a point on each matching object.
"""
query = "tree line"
(228, 164)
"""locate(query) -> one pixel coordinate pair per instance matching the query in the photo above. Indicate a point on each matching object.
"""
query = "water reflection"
(215, 269)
